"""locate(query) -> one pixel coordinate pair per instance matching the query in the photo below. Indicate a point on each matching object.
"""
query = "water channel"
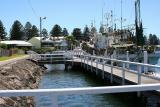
(77, 78)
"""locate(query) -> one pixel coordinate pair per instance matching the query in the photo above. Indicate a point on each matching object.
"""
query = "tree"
(86, 32)
(101, 30)
(77, 33)
(65, 32)
(139, 35)
(16, 32)
(153, 39)
(34, 31)
(71, 42)
(145, 40)
(27, 31)
(93, 31)
(56, 31)
(2, 31)
(44, 33)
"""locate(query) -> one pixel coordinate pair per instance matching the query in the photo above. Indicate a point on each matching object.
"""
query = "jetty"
(106, 68)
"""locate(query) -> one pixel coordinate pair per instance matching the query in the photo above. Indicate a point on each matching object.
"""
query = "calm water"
(65, 79)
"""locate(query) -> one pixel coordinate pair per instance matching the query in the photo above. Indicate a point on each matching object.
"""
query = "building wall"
(35, 42)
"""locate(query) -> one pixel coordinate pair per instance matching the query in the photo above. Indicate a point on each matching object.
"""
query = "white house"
(36, 42)
(58, 42)
(17, 43)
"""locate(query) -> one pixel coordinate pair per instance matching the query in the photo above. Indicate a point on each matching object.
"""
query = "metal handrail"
(127, 62)
(54, 93)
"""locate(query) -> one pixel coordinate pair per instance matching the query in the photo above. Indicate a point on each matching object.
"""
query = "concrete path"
(2, 63)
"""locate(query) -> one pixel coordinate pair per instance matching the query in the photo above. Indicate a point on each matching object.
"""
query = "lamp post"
(41, 19)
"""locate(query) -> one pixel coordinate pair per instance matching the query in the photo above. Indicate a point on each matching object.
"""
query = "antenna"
(103, 4)
(94, 22)
(121, 19)
(102, 15)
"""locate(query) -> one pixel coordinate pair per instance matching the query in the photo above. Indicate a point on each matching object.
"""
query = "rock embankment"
(23, 74)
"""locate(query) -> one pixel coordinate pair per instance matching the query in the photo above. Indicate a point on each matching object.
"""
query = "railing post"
(81, 60)
(127, 59)
(72, 60)
(91, 64)
(139, 78)
(87, 62)
(139, 74)
(145, 61)
(54, 101)
(84, 62)
(103, 69)
(50, 56)
(96, 66)
(111, 78)
(123, 74)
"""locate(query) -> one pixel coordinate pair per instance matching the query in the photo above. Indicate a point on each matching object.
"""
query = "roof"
(39, 38)
(122, 45)
(16, 42)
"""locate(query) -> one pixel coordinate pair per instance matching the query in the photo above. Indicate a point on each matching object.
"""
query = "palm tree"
(72, 42)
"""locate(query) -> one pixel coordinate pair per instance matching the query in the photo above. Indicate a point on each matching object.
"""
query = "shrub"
(3, 46)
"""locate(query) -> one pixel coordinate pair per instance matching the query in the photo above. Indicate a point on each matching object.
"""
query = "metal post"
(123, 74)
(139, 74)
(40, 30)
(111, 78)
(127, 59)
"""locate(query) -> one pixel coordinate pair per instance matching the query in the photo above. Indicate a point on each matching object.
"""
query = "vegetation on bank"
(44, 50)
(11, 57)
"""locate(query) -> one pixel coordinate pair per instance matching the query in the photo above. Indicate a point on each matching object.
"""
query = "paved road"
(2, 63)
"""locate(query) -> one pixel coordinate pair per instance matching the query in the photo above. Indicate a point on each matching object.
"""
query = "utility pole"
(40, 33)
(138, 24)
(40, 26)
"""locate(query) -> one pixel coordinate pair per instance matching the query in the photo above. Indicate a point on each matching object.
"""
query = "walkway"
(118, 71)
(2, 63)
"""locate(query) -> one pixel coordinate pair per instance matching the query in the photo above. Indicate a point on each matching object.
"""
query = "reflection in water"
(55, 67)
(72, 79)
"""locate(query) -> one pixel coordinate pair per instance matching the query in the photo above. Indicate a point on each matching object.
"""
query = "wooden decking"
(117, 71)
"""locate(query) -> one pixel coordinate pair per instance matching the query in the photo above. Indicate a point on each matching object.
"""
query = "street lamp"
(41, 19)
(41, 24)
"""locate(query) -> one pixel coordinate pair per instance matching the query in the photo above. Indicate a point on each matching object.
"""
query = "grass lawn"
(11, 57)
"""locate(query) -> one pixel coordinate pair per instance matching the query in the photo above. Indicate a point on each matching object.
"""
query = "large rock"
(20, 75)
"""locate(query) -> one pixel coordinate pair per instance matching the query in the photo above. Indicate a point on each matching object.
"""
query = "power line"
(34, 12)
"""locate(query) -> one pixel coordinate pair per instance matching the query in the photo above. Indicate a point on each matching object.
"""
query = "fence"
(9, 52)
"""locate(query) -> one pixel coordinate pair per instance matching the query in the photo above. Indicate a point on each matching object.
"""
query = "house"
(58, 42)
(36, 42)
(17, 44)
